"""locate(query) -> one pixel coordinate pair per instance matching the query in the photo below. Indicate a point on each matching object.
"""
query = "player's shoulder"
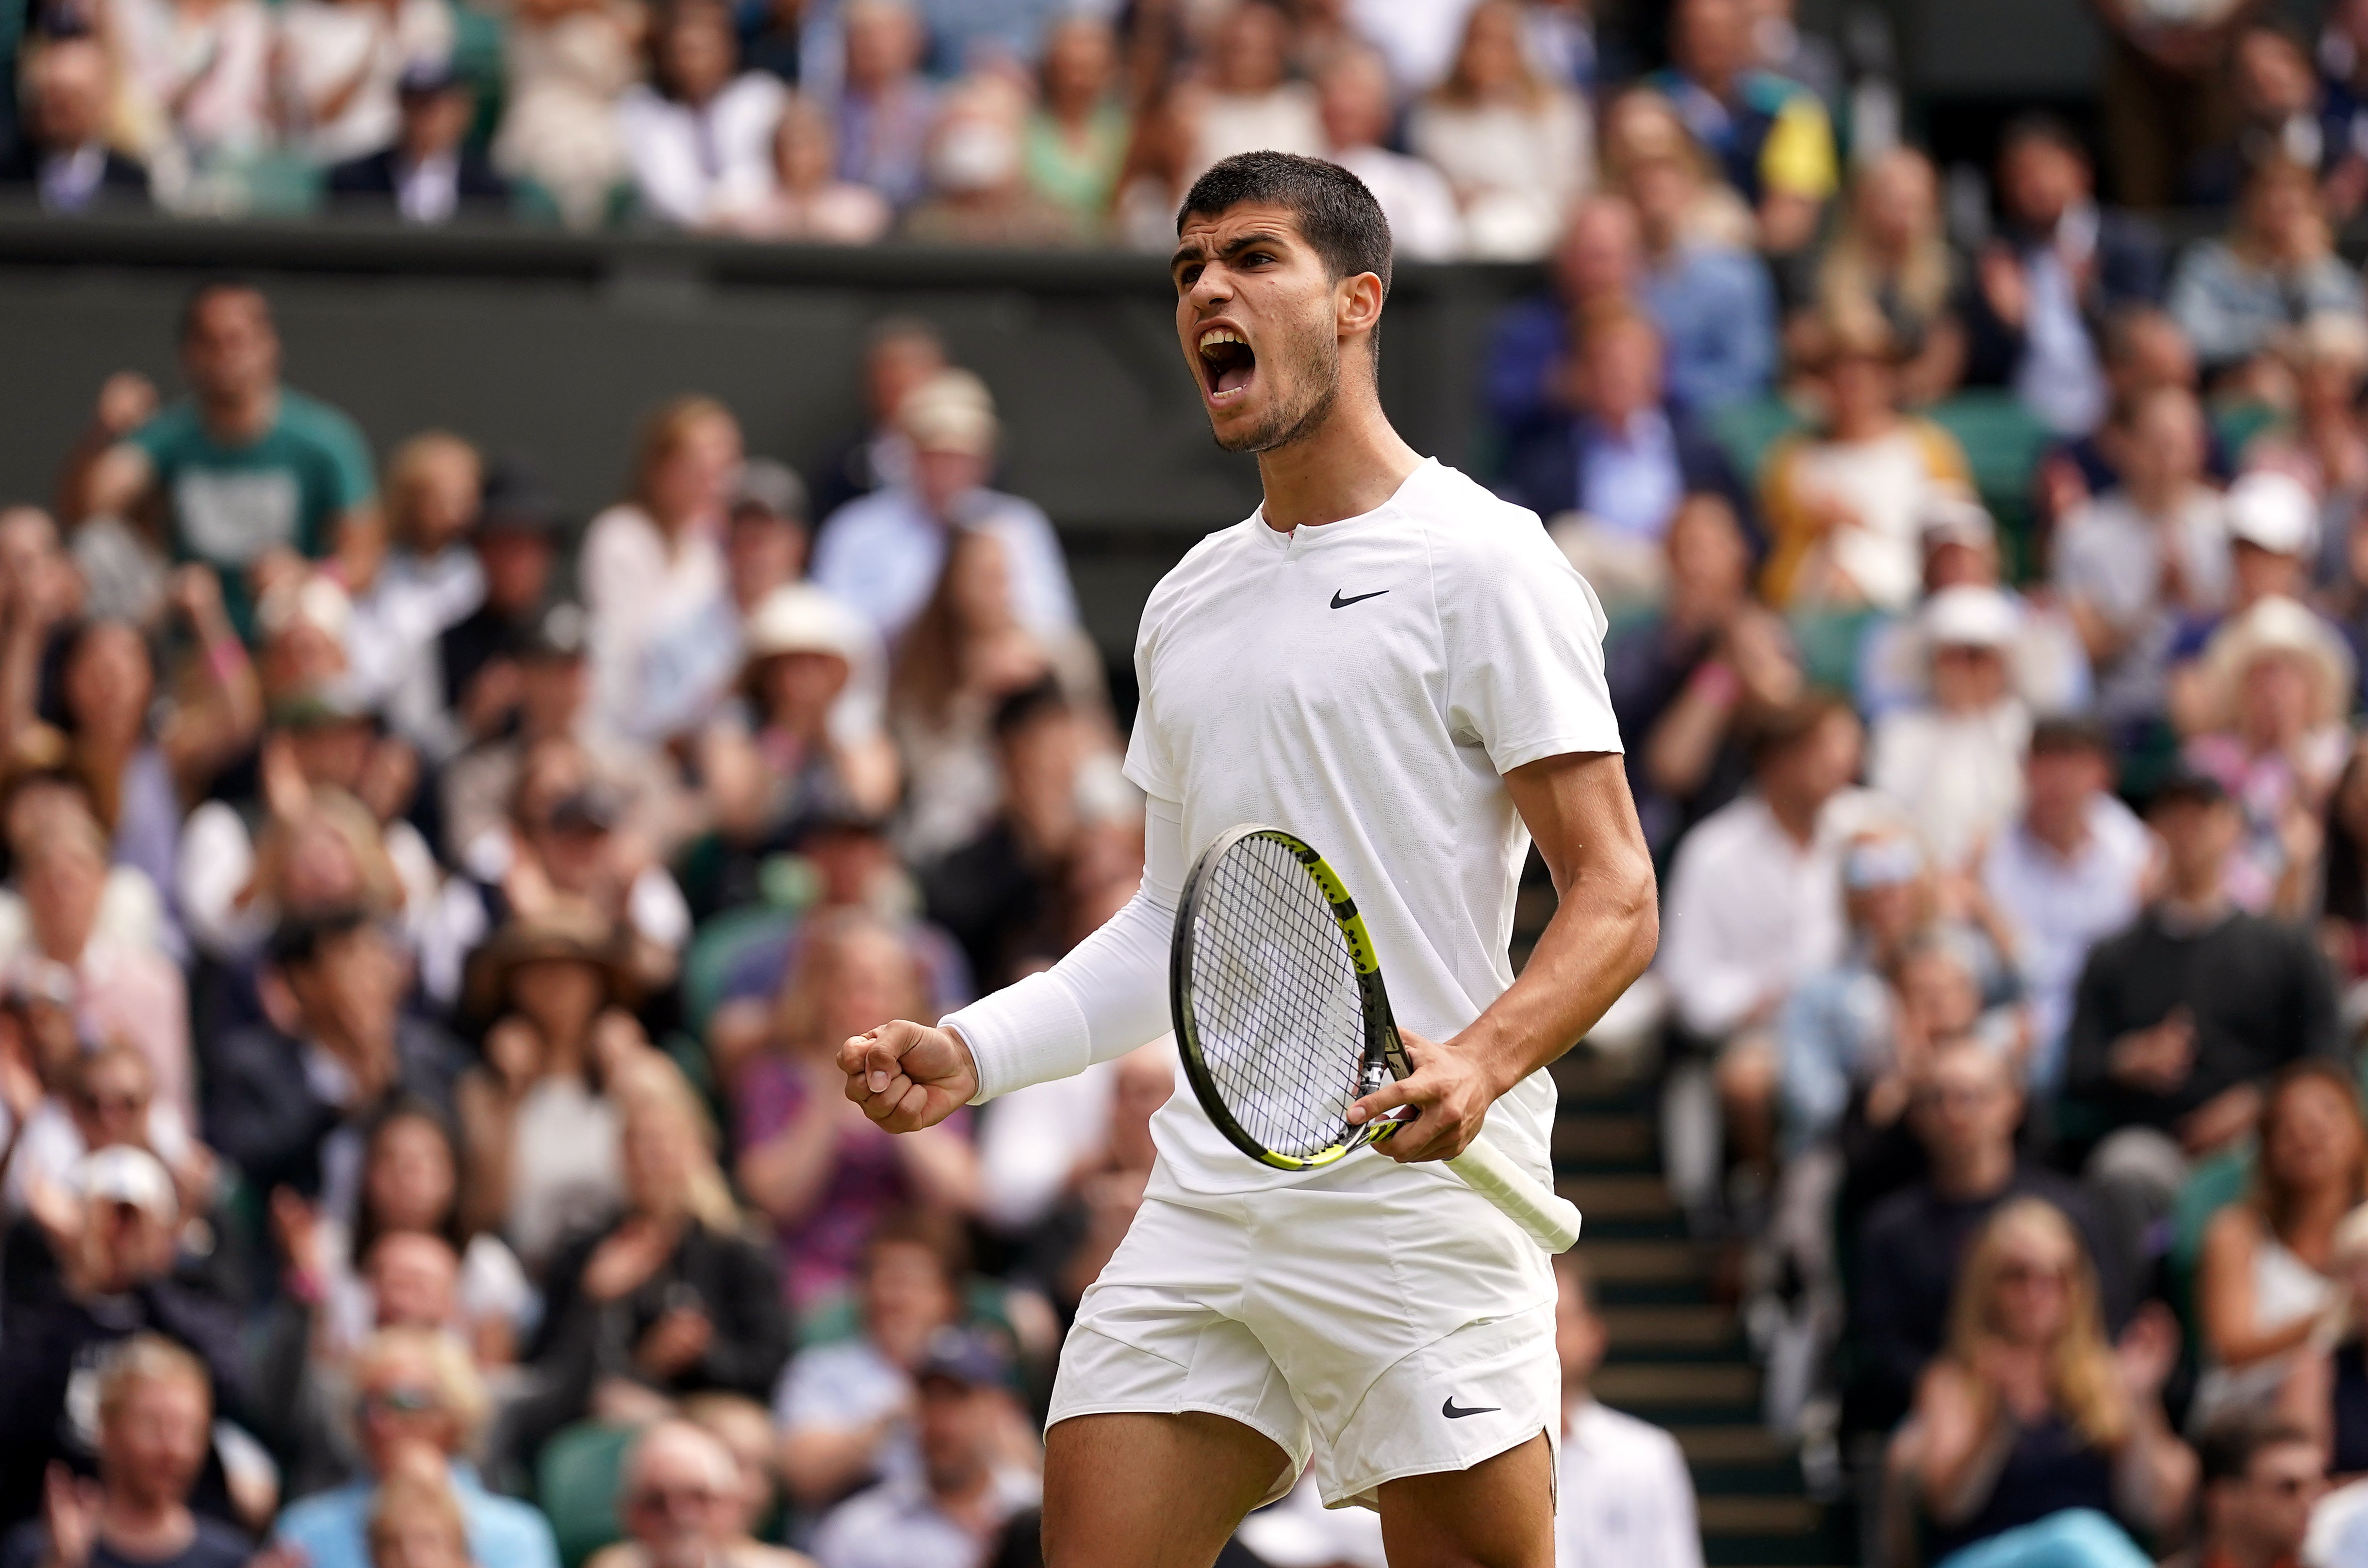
(1205, 567)
(1469, 528)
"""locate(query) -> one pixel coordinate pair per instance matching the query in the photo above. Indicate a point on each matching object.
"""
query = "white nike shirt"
(1364, 685)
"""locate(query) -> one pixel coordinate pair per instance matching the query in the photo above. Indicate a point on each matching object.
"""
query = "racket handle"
(1552, 1221)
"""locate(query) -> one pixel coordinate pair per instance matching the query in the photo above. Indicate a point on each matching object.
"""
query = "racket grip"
(1552, 1221)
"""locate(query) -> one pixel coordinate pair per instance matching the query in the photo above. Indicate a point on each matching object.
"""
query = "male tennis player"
(1392, 664)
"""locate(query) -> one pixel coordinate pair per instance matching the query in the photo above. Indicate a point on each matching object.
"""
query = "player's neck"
(1346, 467)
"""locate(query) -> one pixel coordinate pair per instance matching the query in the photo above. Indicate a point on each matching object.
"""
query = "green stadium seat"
(577, 1480)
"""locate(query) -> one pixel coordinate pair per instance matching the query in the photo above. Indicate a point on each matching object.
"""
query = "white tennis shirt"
(1362, 684)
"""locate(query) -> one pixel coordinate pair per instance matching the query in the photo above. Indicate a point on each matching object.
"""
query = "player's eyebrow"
(1193, 250)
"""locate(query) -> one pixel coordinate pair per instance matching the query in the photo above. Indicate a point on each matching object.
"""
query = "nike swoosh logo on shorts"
(1339, 603)
(1449, 1409)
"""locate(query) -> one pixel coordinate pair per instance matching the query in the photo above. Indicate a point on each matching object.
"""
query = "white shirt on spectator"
(638, 595)
(324, 42)
(2111, 557)
(1283, 120)
(52, 1146)
(1417, 38)
(2060, 908)
(1514, 169)
(1750, 911)
(1414, 198)
(898, 1525)
(1958, 775)
(882, 553)
(696, 165)
(193, 82)
(1030, 1140)
(1627, 1500)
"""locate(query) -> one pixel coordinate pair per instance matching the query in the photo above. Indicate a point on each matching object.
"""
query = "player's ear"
(1358, 302)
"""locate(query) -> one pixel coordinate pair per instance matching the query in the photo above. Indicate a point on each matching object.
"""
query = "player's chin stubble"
(1307, 374)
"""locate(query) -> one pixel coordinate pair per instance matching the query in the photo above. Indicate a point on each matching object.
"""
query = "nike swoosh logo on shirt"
(1339, 603)
(1450, 1409)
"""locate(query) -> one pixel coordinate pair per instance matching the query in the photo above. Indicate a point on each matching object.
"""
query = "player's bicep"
(1522, 636)
(1577, 806)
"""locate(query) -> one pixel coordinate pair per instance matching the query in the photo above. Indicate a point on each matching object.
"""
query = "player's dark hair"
(2225, 1449)
(1331, 208)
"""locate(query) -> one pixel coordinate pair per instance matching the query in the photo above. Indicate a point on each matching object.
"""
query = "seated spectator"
(418, 1402)
(1641, 125)
(1710, 299)
(679, 1496)
(2343, 896)
(1252, 103)
(1955, 761)
(965, 652)
(430, 582)
(337, 65)
(967, 1427)
(193, 85)
(2059, 263)
(64, 157)
(417, 1522)
(883, 552)
(2068, 873)
(900, 352)
(2260, 1480)
(1839, 1032)
(1688, 680)
(2320, 443)
(429, 174)
(474, 666)
(809, 201)
(155, 1427)
(244, 467)
(1162, 161)
(819, 1170)
(1608, 479)
(1103, 1187)
(978, 193)
(752, 1503)
(768, 533)
(1843, 502)
(886, 106)
(844, 1407)
(2261, 1286)
(2145, 352)
(94, 1099)
(2237, 296)
(2276, 684)
(1354, 88)
(1964, 1110)
(1596, 267)
(2030, 1430)
(1515, 147)
(2275, 91)
(699, 134)
(1891, 253)
(1076, 137)
(2130, 563)
(673, 1297)
(568, 62)
(287, 1101)
(1622, 1488)
(1770, 137)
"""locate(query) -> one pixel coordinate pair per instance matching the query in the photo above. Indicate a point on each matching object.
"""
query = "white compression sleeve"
(1107, 997)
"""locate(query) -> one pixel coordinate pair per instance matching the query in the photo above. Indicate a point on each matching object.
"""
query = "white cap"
(2273, 511)
(1953, 516)
(1969, 616)
(802, 619)
(121, 1174)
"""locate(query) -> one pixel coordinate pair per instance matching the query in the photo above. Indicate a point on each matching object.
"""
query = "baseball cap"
(2274, 512)
(770, 486)
(802, 619)
(951, 412)
(1969, 616)
(960, 1356)
(120, 1174)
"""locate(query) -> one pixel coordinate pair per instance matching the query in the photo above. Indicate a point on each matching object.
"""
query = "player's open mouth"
(1227, 364)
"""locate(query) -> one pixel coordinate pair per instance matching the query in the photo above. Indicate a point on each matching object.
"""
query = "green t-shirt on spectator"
(230, 504)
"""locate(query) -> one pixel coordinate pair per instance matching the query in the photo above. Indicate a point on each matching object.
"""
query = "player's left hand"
(1451, 1090)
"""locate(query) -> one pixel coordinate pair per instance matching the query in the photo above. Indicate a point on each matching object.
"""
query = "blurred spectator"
(65, 158)
(2061, 264)
(430, 582)
(1515, 147)
(883, 552)
(900, 352)
(1843, 504)
(2031, 1431)
(2068, 872)
(1965, 1110)
(246, 466)
(671, 1299)
(97, 1098)
(886, 107)
(1641, 125)
(2145, 353)
(1781, 48)
(978, 191)
(1840, 1034)
(1597, 267)
(193, 87)
(287, 1101)
(2237, 296)
(1608, 479)
(1162, 161)
(2342, 65)
(1560, 36)
(418, 1521)
(1770, 136)
(1354, 89)
(2261, 1287)
(821, 1172)
(2276, 684)
(809, 201)
(970, 1481)
(2321, 444)
(679, 1490)
(1623, 1494)
(567, 62)
(652, 565)
(1891, 255)
(475, 665)
(2343, 901)
(2260, 1479)
(1104, 1187)
(2276, 93)
(1076, 137)
(2165, 94)
(418, 1402)
(1689, 679)
(337, 65)
(154, 1409)
(699, 133)
(427, 174)
(1954, 760)
(1252, 102)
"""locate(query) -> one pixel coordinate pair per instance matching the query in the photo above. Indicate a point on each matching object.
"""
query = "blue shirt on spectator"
(881, 552)
(332, 1528)
(1717, 315)
(1631, 478)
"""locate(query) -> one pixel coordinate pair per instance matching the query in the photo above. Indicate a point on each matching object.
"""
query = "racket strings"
(1280, 1018)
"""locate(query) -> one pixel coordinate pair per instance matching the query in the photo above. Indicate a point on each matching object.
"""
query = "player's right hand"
(908, 1075)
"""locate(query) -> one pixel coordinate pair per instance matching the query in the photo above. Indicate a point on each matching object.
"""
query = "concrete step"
(1731, 1445)
(1643, 1388)
(1618, 1263)
(1761, 1516)
(1619, 1196)
(1636, 1330)
(1583, 1080)
(1584, 1138)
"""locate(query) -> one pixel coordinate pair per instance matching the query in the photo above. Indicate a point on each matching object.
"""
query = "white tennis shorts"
(1389, 1322)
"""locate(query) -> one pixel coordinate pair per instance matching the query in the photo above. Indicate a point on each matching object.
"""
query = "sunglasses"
(400, 1401)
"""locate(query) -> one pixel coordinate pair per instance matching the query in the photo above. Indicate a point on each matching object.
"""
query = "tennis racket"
(1283, 1021)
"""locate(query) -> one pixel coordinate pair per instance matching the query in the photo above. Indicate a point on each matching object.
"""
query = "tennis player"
(1390, 662)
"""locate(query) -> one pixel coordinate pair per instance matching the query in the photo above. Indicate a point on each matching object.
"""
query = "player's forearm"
(1598, 941)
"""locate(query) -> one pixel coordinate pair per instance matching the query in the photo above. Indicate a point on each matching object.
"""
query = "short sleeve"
(1522, 634)
(1798, 158)
(1150, 764)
